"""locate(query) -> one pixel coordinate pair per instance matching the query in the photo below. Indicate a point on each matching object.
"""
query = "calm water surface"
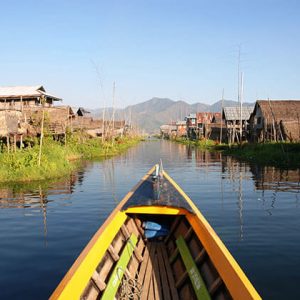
(255, 211)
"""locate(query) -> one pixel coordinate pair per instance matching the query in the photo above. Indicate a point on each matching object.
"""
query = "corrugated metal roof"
(24, 91)
(191, 116)
(181, 123)
(233, 113)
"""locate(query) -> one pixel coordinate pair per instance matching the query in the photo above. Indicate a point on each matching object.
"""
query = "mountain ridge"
(151, 114)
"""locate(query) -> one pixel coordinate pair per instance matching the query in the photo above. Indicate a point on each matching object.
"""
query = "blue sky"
(151, 48)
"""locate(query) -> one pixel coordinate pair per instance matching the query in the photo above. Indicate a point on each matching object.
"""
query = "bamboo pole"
(113, 112)
(15, 143)
(221, 116)
(7, 143)
(41, 138)
(241, 107)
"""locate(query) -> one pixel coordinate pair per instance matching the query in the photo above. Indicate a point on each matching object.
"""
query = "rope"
(130, 288)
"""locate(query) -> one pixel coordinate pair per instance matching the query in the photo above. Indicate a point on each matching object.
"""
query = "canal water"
(255, 211)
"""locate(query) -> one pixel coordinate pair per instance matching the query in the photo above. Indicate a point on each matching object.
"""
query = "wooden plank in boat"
(174, 292)
(150, 290)
(195, 277)
(147, 280)
(156, 274)
(98, 281)
(92, 293)
(144, 264)
(198, 260)
(118, 272)
(215, 286)
(163, 275)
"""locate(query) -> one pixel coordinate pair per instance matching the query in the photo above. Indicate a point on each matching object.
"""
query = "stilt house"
(233, 118)
(18, 97)
(191, 126)
(181, 128)
(200, 125)
(275, 120)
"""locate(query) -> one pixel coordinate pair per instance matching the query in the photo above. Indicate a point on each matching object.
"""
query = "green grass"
(202, 144)
(276, 154)
(57, 160)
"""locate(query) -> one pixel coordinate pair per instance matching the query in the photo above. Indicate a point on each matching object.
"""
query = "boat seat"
(192, 269)
(119, 270)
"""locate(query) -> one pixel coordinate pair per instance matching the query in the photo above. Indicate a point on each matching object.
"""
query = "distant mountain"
(151, 114)
(216, 107)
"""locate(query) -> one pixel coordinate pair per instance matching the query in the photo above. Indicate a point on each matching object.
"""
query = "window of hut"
(259, 120)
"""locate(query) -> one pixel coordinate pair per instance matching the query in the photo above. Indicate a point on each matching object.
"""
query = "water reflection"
(35, 195)
(236, 175)
(271, 178)
(251, 208)
(33, 198)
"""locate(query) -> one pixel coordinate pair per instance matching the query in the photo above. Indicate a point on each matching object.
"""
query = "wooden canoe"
(155, 245)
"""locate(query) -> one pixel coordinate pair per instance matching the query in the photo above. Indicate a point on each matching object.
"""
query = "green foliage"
(277, 154)
(57, 159)
(203, 144)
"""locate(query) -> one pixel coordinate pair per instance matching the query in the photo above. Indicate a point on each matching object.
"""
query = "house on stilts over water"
(234, 120)
(275, 120)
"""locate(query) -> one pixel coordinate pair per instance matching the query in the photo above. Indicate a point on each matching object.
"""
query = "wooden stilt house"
(234, 120)
(18, 97)
(275, 120)
(22, 108)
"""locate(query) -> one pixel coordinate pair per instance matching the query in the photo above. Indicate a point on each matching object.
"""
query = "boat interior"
(156, 256)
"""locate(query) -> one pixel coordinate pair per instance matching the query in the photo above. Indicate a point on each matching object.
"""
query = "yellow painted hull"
(234, 281)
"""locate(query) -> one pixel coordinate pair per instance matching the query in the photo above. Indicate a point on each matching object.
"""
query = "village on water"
(150, 150)
(155, 244)
(22, 109)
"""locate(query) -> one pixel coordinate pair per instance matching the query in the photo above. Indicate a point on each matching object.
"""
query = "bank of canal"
(255, 210)
(283, 155)
(57, 158)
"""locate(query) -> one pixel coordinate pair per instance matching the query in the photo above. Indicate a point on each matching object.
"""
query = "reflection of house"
(17, 97)
(271, 178)
(233, 118)
(34, 195)
(275, 121)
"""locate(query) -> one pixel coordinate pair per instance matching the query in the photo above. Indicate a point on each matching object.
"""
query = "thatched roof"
(16, 92)
(233, 113)
(280, 110)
